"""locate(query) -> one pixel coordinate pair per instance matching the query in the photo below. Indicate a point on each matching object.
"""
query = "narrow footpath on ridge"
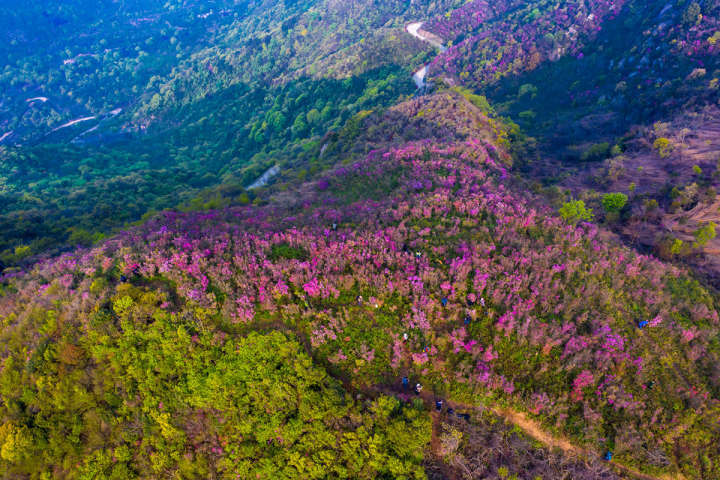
(529, 426)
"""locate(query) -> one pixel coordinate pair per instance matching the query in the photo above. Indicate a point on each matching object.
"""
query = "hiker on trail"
(438, 405)
(418, 254)
(359, 299)
(426, 349)
(482, 301)
(405, 336)
(334, 226)
(444, 301)
(467, 319)
(418, 389)
(405, 382)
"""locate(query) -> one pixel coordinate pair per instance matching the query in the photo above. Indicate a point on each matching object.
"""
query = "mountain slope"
(162, 90)
(501, 302)
(406, 238)
(613, 97)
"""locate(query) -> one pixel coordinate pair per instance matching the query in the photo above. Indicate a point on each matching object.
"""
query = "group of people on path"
(438, 402)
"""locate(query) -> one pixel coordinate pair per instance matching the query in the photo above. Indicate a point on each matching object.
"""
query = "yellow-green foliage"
(15, 443)
(575, 211)
(480, 101)
(704, 234)
(663, 146)
(146, 394)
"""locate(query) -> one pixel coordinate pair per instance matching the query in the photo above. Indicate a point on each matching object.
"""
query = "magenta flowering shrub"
(525, 35)
(695, 36)
(444, 272)
(493, 40)
(467, 18)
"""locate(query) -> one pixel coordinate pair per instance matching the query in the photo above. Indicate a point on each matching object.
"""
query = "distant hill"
(599, 87)
(153, 102)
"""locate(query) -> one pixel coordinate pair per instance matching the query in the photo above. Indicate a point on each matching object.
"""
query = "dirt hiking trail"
(529, 426)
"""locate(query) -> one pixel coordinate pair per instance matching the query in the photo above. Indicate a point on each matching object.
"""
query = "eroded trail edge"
(531, 428)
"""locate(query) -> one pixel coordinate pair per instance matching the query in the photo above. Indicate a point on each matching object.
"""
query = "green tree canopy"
(614, 202)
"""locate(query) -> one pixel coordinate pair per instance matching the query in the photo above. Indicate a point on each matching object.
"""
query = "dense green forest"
(209, 99)
(74, 192)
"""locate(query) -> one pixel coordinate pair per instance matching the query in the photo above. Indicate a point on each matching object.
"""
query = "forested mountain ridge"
(425, 234)
(91, 58)
(227, 87)
(83, 58)
(425, 283)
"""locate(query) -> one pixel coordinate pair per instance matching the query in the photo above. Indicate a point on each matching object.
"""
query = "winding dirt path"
(536, 431)
(530, 427)
(533, 429)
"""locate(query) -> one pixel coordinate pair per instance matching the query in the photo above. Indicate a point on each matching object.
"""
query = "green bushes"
(479, 101)
(596, 152)
(704, 234)
(614, 202)
(150, 395)
(288, 252)
(663, 146)
(575, 211)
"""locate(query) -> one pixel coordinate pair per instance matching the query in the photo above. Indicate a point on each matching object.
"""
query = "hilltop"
(502, 302)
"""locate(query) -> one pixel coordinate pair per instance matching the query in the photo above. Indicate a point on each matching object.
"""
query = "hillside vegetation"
(238, 242)
(502, 302)
(99, 129)
(614, 97)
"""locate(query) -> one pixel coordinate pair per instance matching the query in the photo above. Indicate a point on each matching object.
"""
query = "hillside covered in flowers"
(613, 98)
(360, 239)
(271, 340)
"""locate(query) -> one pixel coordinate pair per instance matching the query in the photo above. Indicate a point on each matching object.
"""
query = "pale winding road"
(414, 30)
